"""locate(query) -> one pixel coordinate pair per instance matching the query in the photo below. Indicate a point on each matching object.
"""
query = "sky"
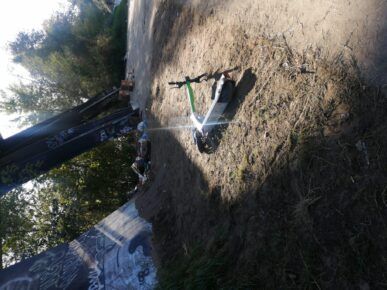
(16, 16)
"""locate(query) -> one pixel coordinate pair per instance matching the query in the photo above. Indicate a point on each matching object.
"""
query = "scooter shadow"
(242, 89)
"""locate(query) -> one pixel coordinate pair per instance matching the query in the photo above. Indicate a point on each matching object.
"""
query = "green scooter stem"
(191, 96)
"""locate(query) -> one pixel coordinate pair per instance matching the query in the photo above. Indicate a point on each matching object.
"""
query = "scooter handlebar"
(188, 79)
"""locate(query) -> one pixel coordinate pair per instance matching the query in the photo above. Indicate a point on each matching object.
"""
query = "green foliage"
(90, 186)
(16, 226)
(67, 201)
(77, 54)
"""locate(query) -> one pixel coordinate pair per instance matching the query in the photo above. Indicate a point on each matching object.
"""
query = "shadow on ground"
(311, 211)
(318, 219)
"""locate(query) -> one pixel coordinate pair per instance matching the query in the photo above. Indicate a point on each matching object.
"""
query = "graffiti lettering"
(71, 265)
(94, 282)
(115, 254)
(49, 269)
(18, 283)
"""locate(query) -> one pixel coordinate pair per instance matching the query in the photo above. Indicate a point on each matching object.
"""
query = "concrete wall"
(114, 254)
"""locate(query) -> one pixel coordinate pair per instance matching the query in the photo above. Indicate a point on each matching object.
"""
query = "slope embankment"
(295, 193)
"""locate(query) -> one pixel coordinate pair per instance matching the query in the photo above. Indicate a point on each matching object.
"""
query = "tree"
(77, 54)
(15, 226)
(90, 186)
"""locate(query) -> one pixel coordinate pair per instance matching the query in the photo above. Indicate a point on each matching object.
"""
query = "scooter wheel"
(200, 144)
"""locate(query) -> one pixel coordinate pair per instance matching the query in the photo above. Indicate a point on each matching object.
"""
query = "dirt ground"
(294, 194)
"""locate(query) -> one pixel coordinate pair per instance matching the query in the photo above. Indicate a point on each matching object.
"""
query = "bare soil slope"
(294, 195)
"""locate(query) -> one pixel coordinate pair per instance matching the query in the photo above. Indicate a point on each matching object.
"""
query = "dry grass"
(302, 207)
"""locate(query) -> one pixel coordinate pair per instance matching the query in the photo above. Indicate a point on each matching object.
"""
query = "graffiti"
(125, 263)
(103, 136)
(94, 279)
(125, 269)
(142, 274)
(71, 265)
(52, 150)
(115, 254)
(25, 283)
(60, 138)
(49, 269)
(125, 130)
(140, 240)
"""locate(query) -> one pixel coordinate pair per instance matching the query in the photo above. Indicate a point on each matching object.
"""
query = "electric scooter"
(204, 125)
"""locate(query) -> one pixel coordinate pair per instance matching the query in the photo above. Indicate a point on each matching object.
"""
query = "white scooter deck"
(205, 124)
